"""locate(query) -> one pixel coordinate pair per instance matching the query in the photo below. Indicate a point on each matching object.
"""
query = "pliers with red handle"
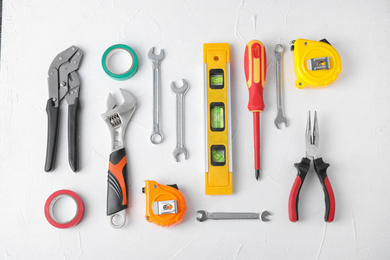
(320, 167)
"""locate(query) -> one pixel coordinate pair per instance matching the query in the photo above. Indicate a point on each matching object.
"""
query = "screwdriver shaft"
(256, 135)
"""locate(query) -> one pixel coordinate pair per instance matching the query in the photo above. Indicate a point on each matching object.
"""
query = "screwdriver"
(255, 62)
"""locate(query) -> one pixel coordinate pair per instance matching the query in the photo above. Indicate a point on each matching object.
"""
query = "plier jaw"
(62, 76)
(63, 81)
(311, 141)
(312, 138)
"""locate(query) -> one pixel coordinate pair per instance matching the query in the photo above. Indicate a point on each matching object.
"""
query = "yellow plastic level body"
(218, 173)
(305, 50)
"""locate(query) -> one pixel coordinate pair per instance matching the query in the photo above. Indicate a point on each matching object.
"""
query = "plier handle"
(64, 82)
(320, 168)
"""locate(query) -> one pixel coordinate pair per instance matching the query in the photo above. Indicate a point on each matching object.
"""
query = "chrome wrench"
(280, 118)
(232, 215)
(180, 92)
(156, 137)
(117, 118)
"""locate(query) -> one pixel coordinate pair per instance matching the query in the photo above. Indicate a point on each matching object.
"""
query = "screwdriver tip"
(257, 174)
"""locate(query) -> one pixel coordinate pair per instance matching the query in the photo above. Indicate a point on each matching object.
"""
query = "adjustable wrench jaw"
(118, 116)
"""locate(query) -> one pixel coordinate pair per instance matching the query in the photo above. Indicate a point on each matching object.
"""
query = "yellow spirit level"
(216, 61)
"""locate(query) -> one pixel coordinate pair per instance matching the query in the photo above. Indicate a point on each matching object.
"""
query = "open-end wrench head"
(180, 150)
(181, 90)
(280, 119)
(264, 216)
(203, 215)
(155, 57)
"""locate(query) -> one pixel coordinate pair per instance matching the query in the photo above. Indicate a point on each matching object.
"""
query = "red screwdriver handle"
(255, 63)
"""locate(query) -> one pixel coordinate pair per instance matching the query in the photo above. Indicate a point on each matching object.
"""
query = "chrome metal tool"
(64, 82)
(320, 167)
(156, 136)
(180, 92)
(117, 117)
(232, 215)
(280, 118)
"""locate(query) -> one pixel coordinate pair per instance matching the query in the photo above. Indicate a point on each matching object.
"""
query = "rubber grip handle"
(255, 63)
(330, 204)
(52, 133)
(117, 183)
(73, 150)
(303, 168)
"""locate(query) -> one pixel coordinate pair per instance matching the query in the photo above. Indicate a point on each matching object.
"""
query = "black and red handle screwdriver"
(255, 63)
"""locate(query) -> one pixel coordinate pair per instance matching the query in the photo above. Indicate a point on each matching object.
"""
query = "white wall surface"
(354, 120)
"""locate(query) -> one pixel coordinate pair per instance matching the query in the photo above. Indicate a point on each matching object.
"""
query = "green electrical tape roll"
(113, 50)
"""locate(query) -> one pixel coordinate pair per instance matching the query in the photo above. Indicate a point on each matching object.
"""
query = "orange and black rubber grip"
(117, 183)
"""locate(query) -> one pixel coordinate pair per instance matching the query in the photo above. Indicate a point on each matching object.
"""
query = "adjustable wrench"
(280, 118)
(180, 92)
(117, 117)
(156, 136)
(232, 215)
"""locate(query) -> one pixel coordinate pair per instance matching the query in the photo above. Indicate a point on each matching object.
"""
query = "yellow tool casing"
(218, 172)
(165, 205)
(316, 63)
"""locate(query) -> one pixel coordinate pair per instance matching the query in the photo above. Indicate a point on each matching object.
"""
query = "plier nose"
(312, 138)
(311, 141)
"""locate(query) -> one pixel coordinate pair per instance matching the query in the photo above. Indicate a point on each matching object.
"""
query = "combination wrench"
(232, 215)
(156, 137)
(280, 118)
(180, 92)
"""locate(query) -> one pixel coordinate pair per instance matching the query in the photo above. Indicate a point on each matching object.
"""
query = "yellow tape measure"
(316, 63)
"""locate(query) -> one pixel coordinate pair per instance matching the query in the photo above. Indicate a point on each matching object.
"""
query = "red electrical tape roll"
(52, 200)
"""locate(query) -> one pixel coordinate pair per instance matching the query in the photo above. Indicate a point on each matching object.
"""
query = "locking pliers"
(63, 82)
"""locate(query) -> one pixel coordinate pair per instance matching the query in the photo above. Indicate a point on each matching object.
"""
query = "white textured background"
(354, 119)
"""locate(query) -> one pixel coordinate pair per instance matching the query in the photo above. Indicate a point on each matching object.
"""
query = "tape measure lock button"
(116, 72)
